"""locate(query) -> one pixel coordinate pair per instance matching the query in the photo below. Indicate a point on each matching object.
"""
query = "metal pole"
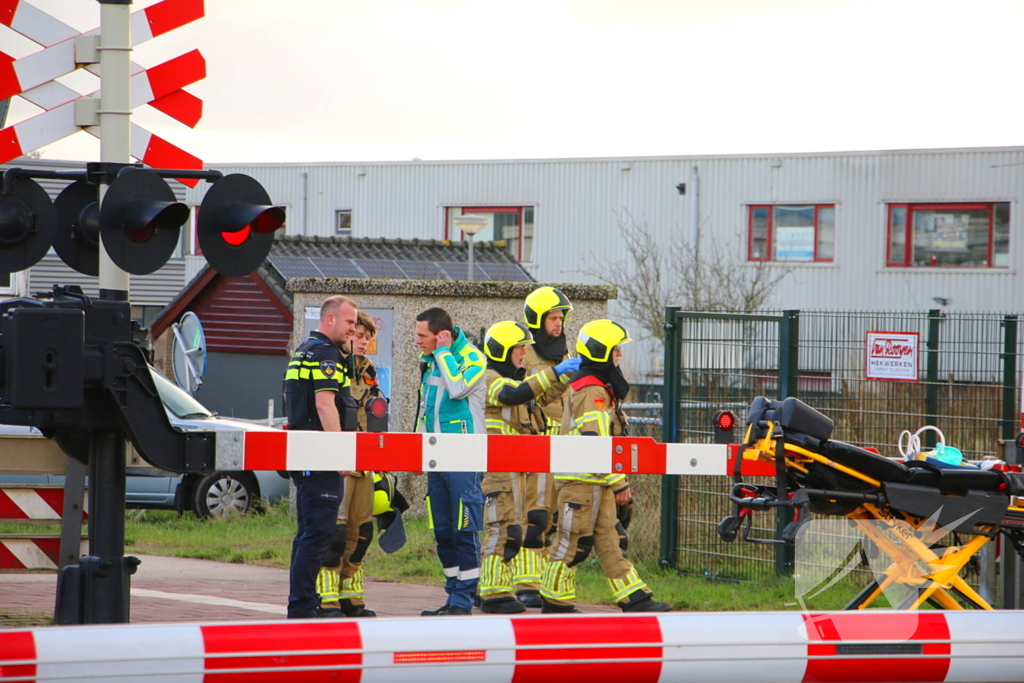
(931, 398)
(105, 574)
(789, 373)
(670, 434)
(1010, 418)
(470, 270)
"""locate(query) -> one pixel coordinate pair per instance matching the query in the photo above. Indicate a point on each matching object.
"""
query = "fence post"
(931, 401)
(1010, 418)
(669, 555)
(789, 372)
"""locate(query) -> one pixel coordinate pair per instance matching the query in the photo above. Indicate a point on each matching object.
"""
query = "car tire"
(225, 493)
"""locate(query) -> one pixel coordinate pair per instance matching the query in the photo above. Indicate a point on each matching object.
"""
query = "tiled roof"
(394, 249)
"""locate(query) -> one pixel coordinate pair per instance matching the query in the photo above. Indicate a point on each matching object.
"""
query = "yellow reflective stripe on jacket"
(501, 426)
(591, 478)
(598, 416)
(495, 389)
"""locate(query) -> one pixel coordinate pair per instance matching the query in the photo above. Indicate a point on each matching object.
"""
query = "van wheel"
(225, 493)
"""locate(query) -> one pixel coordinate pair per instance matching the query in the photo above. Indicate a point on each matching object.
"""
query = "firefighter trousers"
(587, 522)
(502, 515)
(341, 577)
(540, 503)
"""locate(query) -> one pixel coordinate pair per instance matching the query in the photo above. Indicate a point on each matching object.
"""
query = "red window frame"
(908, 237)
(770, 232)
(518, 210)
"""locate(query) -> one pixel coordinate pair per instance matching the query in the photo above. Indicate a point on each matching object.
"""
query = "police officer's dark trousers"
(455, 504)
(317, 497)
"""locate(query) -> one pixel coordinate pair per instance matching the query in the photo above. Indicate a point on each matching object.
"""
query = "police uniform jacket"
(317, 365)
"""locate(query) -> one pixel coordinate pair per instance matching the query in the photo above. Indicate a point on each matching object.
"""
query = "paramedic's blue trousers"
(455, 503)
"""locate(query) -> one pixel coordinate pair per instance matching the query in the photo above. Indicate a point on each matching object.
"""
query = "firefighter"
(545, 311)
(317, 398)
(340, 582)
(587, 517)
(509, 409)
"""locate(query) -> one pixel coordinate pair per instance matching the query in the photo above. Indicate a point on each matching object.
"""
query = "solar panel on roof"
(421, 270)
(455, 270)
(337, 267)
(295, 266)
(504, 272)
(380, 269)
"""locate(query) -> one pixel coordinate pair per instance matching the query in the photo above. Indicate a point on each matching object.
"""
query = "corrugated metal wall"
(580, 204)
(156, 289)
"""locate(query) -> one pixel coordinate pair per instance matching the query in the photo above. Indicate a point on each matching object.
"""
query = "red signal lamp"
(724, 423)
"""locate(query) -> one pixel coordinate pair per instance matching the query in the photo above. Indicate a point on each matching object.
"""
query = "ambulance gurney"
(901, 509)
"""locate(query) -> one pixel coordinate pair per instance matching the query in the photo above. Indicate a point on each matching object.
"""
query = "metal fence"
(967, 386)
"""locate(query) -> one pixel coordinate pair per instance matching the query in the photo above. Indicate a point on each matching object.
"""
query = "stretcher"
(902, 509)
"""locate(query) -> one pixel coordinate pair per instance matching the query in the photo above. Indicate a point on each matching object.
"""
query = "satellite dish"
(188, 357)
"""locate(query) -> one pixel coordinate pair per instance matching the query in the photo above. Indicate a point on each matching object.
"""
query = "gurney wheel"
(728, 528)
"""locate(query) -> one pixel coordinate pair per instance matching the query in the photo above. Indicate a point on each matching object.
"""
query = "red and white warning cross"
(325, 451)
(33, 78)
(780, 647)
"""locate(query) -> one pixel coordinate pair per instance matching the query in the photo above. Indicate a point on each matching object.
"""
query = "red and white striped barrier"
(41, 502)
(33, 552)
(295, 450)
(779, 647)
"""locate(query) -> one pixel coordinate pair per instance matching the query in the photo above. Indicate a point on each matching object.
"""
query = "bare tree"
(656, 271)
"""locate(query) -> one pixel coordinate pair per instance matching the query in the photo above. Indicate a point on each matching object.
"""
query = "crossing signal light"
(236, 225)
(77, 241)
(27, 224)
(376, 414)
(140, 221)
(725, 425)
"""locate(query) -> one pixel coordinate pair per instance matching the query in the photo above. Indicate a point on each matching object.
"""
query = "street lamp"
(471, 224)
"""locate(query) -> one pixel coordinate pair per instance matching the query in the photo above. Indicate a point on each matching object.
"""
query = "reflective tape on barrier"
(769, 647)
(322, 451)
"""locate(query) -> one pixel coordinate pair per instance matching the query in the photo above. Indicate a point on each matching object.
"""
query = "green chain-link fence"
(967, 387)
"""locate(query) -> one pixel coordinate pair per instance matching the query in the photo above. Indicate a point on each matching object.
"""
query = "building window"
(805, 232)
(343, 223)
(949, 235)
(5, 283)
(511, 224)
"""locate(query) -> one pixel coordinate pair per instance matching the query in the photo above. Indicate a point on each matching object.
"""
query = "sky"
(385, 80)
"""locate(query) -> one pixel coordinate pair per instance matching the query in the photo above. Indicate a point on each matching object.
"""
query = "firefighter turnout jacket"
(364, 387)
(510, 407)
(593, 411)
(552, 402)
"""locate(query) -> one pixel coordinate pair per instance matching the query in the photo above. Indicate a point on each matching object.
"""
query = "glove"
(569, 366)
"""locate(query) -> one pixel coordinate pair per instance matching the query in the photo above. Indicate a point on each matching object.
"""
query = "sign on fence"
(892, 356)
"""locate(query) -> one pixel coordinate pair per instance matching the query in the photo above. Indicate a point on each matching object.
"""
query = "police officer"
(317, 398)
(452, 401)
(340, 582)
(509, 410)
(546, 310)
(587, 518)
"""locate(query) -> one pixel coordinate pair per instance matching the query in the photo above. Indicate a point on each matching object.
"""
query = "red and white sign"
(779, 647)
(892, 356)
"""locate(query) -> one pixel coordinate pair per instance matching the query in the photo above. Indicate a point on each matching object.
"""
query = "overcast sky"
(369, 80)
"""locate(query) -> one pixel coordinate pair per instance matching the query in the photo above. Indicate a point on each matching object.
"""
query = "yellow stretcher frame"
(939, 585)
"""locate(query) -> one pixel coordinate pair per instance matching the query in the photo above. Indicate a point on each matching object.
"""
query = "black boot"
(552, 608)
(647, 604)
(530, 598)
(502, 606)
(446, 611)
(355, 611)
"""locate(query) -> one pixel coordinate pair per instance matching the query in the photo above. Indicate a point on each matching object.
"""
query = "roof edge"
(446, 288)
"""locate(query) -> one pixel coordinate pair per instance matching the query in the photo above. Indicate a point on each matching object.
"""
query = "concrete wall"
(473, 305)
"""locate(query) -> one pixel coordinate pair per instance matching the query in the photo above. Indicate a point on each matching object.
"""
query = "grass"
(265, 539)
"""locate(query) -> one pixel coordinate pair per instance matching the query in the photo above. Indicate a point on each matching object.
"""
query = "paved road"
(172, 589)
